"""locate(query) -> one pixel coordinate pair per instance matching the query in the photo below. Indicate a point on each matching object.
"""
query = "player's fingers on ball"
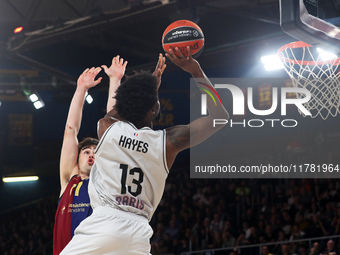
(168, 56)
(179, 52)
(189, 52)
(171, 54)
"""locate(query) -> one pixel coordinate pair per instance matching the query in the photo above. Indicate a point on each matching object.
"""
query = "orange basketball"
(183, 33)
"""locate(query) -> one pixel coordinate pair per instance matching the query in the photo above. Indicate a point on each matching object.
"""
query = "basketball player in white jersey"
(132, 163)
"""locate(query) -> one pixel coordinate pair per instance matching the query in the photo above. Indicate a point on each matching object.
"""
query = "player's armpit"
(179, 138)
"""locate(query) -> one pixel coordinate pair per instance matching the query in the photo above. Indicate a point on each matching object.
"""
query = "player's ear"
(150, 114)
(158, 116)
(154, 111)
(156, 108)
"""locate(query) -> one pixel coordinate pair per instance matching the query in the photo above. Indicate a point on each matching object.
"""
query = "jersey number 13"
(137, 182)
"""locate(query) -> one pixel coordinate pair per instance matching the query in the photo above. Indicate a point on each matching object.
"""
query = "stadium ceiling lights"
(33, 97)
(88, 98)
(271, 62)
(36, 100)
(18, 30)
(326, 55)
(20, 179)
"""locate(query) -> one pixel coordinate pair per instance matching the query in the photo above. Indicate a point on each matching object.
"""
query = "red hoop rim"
(300, 44)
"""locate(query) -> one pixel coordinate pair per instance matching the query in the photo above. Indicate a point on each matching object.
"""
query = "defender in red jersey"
(76, 160)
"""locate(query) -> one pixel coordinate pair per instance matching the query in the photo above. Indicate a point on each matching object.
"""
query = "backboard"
(316, 22)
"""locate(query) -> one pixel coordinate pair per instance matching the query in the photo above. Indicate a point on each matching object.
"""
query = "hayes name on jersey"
(133, 144)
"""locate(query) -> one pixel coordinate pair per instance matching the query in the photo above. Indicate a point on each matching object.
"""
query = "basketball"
(183, 33)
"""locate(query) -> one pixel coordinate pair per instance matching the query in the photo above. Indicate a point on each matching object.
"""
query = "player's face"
(86, 158)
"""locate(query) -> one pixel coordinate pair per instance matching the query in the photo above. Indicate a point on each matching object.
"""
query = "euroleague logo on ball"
(183, 33)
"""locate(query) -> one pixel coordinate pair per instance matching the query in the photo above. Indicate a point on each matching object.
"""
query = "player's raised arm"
(69, 151)
(185, 136)
(115, 72)
(160, 67)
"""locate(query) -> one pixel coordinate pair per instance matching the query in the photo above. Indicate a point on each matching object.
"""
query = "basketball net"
(307, 70)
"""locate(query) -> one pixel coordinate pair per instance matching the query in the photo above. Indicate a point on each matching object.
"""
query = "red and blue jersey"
(73, 207)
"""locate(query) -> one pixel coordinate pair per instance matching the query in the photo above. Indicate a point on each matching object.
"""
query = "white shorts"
(111, 231)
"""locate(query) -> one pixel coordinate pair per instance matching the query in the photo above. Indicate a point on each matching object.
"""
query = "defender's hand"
(87, 78)
(117, 68)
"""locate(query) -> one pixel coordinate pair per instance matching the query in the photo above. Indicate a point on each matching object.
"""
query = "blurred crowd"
(224, 213)
(28, 230)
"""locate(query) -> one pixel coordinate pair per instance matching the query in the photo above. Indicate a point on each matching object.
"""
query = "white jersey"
(130, 169)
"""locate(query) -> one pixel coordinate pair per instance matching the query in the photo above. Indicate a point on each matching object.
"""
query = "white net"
(307, 70)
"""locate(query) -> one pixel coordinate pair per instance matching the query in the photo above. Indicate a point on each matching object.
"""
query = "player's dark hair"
(136, 96)
(87, 142)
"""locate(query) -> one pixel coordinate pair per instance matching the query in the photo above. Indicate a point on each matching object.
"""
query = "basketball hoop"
(306, 69)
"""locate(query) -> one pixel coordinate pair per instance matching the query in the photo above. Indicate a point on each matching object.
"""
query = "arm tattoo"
(180, 137)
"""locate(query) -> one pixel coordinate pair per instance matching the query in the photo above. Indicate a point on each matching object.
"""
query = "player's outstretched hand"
(117, 68)
(87, 78)
(160, 67)
(188, 64)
